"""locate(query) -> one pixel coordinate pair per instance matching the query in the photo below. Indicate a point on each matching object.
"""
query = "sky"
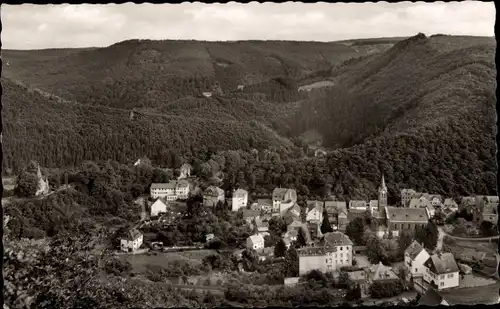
(31, 26)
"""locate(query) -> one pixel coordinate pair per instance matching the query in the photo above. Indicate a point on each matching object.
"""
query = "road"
(442, 233)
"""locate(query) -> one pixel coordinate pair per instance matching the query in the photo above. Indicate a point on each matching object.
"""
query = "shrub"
(386, 289)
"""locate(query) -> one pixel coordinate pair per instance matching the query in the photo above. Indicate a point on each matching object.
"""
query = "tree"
(291, 265)
(355, 230)
(280, 248)
(404, 241)
(250, 260)
(428, 235)
(277, 226)
(353, 293)
(301, 238)
(326, 227)
(26, 184)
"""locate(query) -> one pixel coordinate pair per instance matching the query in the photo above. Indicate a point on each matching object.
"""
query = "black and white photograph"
(207, 155)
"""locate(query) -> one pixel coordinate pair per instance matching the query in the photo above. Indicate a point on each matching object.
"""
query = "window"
(450, 275)
(441, 284)
(442, 277)
(326, 261)
(341, 248)
(341, 255)
(416, 269)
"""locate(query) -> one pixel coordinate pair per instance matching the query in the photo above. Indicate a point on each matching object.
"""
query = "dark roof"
(336, 239)
(355, 213)
(133, 234)
(442, 263)
(414, 249)
(250, 213)
(168, 185)
(265, 202)
(213, 191)
(314, 204)
(396, 214)
(279, 193)
(430, 298)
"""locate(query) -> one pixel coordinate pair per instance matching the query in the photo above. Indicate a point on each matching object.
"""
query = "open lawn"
(177, 206)
(142, 263)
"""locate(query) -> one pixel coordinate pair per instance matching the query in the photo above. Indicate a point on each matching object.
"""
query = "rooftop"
(133, 234)
(357, 204)
(381, 272)
(396, 214)
(314, 204)
(309, 251)
(249, 213)
(333, 239)
(414, 249)
(257, 238)
(168, 185)
(213, 191)
(240, 193)
(279, 193)
(265, 202)
(442, 263)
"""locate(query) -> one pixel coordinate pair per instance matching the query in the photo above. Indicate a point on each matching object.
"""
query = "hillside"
(144, 73)
(418, 82)
(60, 133)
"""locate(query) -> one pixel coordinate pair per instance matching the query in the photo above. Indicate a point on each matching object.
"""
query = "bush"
(386, 289)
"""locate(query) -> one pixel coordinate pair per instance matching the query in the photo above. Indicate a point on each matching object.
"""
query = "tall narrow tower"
(382, 194)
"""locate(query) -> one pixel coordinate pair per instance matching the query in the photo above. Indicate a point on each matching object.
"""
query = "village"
(459, 268)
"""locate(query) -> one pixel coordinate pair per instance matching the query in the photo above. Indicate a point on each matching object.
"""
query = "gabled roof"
(335, 206)
(186, 166)
(213, 191)
(315, 205)
(158, 202)
(414, 249)
(449, 202)
(257, 238)
(357, 275)
(265, 202)
(484, 295)
(240, 193)
(355, 213)
(311, 251)
(410, 191)
(133, 234)
(419, 203)
(168, 185)
(333, 239)
(357, 204)
(397, 214)
(279, 193)
(443, 263)
(250, 213)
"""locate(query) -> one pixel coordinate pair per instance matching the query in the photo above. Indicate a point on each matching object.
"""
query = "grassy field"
(142, 263)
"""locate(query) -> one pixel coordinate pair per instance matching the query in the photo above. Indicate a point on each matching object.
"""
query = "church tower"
(382, 194)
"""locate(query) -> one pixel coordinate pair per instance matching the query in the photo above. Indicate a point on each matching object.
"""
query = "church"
(393, 220)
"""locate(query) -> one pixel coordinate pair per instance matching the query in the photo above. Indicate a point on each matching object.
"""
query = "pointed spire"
(382, 185)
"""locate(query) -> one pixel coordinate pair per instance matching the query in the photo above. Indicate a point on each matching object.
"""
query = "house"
(450, 203)
(240, 199)
(359, 277)
(171, 191)
(342, 220)
(467, 202)
(185, 171)
(293, 212)
(132, 241)
(209, 237)
(314, 229)
(255, 206)
(399, 219)
(314, 211)
(240, 87)
(333, 209)
(432, 298)
(207, 94)
(250, 215)
(441, 270)
(262, 227)
(283, 199)
(423, 203)
(485, 210)
(358, 204)
(332, 253)
(406, 196)
(296, 226)
(212, 195)
(380, 273)
(158, 207)
(291, 235)
(414, 258)
(265, 253)
(373, 206)
(266, 205)
(255, 242)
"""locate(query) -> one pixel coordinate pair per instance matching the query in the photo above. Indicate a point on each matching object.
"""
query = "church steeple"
(382, 194)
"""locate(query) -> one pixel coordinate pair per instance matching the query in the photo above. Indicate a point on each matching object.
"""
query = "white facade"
(158, 207)
(255, 242)
(443, 281)
(131, 245)
(416, 266)
(314, 215)
(170, 191)
(240, 199)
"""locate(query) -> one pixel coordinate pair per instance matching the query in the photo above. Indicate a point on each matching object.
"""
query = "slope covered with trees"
(60, 133)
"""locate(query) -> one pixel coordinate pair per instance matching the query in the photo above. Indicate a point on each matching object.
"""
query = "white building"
(315, 211)
(358, 204)
(158, 207)
(442, 270)
(415, 257)
(240, 199)
(333, 253)
(132, 242)
(283, 199)
(171, 191)
(255, 242)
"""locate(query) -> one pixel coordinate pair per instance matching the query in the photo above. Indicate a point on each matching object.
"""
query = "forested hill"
(59, 133)
(418, 82)
(145, 73)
